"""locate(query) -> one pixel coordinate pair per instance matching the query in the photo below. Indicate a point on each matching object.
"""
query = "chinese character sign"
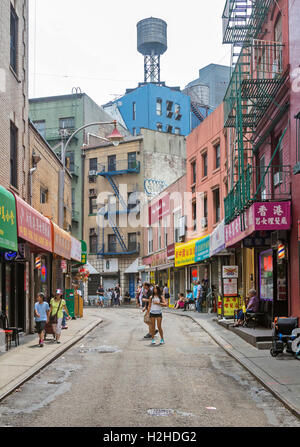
(272, 215)
(8, 223)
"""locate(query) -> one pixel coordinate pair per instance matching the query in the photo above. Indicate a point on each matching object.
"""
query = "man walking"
(199, 297)
(41, 316)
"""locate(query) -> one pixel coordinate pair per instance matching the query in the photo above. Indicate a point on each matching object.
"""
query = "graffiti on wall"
(153, 187)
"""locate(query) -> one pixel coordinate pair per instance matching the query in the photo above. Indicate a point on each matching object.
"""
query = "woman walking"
(41, 315)
(57, 305)
(156, 303)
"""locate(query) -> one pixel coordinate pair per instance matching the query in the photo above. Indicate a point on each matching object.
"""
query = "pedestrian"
(189, 299)
(116, 297)
(100, 293)
(199, 297)
(146, 294)
(166, 293)
(41, 316)
(63, 324)
(57, 305)
(156, 302)
(137, 295)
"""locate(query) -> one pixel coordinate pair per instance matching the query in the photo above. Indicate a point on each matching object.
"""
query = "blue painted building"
(154, 106)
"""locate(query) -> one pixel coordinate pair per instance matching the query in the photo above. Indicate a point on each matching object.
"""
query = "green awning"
(8, 221)
(83, 252)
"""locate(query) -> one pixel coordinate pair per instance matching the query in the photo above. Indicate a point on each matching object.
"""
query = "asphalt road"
(114, 377)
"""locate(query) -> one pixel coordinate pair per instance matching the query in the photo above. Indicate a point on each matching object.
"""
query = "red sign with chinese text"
(33, 226)
(159, 209)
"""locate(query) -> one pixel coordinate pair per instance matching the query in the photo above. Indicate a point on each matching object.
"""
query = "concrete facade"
(138, 108)
(14, 95)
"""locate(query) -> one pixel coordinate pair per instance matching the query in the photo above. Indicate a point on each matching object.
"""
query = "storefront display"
(266, 275)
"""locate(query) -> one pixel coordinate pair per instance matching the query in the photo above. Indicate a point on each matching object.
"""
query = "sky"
(92, 44)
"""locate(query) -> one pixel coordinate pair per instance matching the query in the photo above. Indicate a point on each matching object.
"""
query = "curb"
(262, 380)
(45, 362)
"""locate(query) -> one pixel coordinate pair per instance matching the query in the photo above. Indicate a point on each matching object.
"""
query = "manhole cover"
(100, 349)
(160, 412)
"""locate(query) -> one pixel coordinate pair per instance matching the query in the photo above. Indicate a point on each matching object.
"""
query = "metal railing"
(119, 166)
(259, 183)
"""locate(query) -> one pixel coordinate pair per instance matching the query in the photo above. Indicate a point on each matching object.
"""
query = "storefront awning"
(133, 268)
(165, 266)
(8, 221)
(33, 226)
(61, 242)
(91, 269)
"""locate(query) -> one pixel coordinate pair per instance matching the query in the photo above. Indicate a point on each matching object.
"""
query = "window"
(70, 161)
(177, 217)
(159, 235)
(159, 127)
(93, 243)
(169, 128)
(204, 218)
(194, 215)
(131, 160)
(166, 234)
(177, 109)
(93, 164)
(73, 198)
(92, 205)
(132, 201)
(216, 194)
(177, 131)
(112, 159)
(41, 127)
(67, 123)
(194, 174)
(13, 39)
(13, 155)
(134, 110)
(217, 156)
(204, 165)
(150, 240)
(132, 241)
(159, 106)
(169, 105)
(43, 195)
(112, 243)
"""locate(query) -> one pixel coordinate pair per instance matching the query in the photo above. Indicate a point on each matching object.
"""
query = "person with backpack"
(41, 316)
(156, 303)
(57, 305)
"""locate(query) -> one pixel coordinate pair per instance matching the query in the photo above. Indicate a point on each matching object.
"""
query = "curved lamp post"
(115, 137)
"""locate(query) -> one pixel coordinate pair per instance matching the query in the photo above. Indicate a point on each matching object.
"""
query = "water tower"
(152, 42)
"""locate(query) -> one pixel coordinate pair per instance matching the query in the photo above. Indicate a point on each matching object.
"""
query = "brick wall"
(14, 95)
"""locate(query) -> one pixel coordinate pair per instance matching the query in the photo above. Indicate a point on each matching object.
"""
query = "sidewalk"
(21, 363)
(280, 375)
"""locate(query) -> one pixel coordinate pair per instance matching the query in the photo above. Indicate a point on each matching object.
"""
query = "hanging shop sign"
(261, 216)
(217, 239)
(61, 242)
(171, 251)
(75, 249)
(159, 209)
(185, 253)
(83, 252)
(8, 221)
(202, 249)
(33, 226)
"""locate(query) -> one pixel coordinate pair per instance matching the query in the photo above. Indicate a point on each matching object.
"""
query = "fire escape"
(110, 212)
(257, 76)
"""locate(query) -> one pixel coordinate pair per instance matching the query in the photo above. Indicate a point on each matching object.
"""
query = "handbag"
(53, 318)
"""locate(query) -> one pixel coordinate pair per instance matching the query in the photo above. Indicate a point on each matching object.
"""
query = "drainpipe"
(31, 171)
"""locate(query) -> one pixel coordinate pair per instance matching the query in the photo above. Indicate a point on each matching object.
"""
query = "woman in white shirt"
(156, 303)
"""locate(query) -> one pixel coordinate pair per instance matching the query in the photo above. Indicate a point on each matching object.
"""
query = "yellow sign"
(230, 304)
(185, 253)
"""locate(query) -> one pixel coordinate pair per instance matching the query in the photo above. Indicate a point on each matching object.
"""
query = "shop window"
(13, 155)
(13, 39)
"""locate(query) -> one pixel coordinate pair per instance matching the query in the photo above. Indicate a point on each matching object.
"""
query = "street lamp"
(115, 137)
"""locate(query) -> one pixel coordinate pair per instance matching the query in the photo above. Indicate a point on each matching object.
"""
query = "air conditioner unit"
(92, 173)
(278, 177)
(204, 222)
